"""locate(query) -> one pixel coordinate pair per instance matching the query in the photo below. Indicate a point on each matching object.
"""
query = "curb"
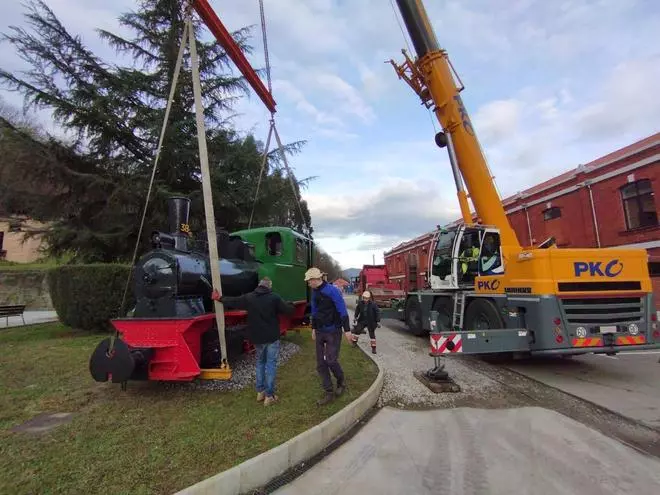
(258, 471)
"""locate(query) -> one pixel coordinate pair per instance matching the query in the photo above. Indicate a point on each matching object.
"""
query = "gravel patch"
(243, 372)
(400, 354)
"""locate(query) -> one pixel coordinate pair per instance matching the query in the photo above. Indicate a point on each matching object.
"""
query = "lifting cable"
(177, 70)
(188, 30)
(273, 130)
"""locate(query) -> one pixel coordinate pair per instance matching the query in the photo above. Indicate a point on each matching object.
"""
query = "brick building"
(609, 202)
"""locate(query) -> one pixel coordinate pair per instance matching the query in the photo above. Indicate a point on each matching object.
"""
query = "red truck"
(375, 279)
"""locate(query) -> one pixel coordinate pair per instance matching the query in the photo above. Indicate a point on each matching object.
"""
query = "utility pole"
(373, 259)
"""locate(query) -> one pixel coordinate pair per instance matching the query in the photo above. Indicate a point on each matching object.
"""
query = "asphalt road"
(503, 433)
(525, 450)
(628, 383)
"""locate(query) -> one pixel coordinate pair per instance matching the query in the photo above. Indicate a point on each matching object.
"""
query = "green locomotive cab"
(284, 256)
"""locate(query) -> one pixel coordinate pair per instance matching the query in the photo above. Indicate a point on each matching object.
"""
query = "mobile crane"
(489, 294)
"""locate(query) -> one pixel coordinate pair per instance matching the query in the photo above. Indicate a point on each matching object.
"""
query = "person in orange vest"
(367, 314)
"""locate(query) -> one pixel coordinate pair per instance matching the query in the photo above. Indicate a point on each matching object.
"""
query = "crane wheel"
(443, 306)
(414, 316)
(482, 314)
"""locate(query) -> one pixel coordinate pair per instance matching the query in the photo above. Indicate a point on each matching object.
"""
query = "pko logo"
(488, 284)
(596, 268)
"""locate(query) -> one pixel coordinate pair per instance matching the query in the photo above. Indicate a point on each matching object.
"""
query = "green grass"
(11, 266)
(149, 439)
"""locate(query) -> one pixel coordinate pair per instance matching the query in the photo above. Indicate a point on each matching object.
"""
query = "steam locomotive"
(171, 334)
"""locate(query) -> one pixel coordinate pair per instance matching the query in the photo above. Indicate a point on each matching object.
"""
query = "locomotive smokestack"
(178, 210)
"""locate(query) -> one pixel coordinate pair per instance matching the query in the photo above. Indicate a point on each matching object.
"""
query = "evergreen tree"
(115, 114)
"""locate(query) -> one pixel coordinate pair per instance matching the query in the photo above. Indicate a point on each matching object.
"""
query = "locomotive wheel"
(118, 363)
(414, 316)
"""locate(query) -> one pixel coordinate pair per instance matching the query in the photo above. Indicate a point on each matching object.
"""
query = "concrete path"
(31, 318)
(476, 451)
(628, 383)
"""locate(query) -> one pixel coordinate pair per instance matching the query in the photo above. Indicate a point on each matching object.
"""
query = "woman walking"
(367, 314)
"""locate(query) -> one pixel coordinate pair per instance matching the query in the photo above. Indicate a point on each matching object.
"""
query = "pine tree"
(114, 115)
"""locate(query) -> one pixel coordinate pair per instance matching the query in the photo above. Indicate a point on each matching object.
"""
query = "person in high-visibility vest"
(469, 255)
(490, 257)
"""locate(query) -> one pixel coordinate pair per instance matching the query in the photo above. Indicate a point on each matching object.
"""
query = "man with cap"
(329, 317)
(263, 307)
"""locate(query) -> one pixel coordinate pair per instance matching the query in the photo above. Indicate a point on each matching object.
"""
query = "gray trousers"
(328, 345)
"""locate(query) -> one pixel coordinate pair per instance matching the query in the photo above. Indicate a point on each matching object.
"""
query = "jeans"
(267, 355)
(328, 345)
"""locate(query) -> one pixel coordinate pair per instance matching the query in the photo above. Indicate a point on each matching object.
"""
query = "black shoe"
(340, 389)
(327, 399)
(373, 350)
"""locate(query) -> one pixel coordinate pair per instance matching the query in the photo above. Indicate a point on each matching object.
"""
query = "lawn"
(9, 266)
(149, 439)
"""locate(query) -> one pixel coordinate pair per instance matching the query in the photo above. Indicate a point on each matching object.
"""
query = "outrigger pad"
(119, 363)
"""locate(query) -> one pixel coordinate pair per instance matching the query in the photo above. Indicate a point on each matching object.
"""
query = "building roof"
(635, 147)
(619, 154)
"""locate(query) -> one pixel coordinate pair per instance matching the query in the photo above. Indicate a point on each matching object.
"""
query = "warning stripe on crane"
(588, 342)
(446, 344)
(630, 339)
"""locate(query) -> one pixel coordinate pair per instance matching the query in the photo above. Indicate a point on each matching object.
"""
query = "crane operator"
(491, 263)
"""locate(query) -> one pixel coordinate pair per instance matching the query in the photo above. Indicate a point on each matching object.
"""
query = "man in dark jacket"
(263, 307)
(329, 315)
(367, 314)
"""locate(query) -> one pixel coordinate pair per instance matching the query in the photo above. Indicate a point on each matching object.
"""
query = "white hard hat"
(313, 273)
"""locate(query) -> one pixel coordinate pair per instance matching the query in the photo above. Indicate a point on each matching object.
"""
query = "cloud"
(296, 96)
(626, 102)
(498, 119)
(348, 98)
(396, 207)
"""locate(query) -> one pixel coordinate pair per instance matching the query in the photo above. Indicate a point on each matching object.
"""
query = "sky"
(548, 86)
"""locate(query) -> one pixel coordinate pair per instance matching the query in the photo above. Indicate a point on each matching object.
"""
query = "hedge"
(88, 296)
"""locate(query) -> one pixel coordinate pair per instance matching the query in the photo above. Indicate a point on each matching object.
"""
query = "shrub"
(88, 296)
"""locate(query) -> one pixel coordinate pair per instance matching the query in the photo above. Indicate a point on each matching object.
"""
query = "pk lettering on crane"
(488, 284)
(598, 268)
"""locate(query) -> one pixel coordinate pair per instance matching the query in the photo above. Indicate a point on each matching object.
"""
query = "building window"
(551, 213)
(639, 205)
(654, 268)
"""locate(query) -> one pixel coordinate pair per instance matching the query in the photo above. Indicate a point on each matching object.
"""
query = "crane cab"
(462, 254)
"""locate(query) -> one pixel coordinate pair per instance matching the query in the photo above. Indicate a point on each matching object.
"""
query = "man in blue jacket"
(329, 316)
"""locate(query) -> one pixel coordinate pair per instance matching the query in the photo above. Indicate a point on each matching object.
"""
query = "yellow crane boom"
(430, 76)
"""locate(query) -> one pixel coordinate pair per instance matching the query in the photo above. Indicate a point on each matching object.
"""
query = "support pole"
(208, 198)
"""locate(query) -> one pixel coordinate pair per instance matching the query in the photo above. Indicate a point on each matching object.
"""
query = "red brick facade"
(624, 186)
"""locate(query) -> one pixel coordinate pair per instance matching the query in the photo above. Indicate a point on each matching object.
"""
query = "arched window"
(639, 204)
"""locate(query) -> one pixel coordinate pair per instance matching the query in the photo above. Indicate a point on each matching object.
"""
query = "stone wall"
(25, 287)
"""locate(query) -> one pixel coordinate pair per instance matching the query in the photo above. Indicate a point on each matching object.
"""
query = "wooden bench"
(12, 310)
